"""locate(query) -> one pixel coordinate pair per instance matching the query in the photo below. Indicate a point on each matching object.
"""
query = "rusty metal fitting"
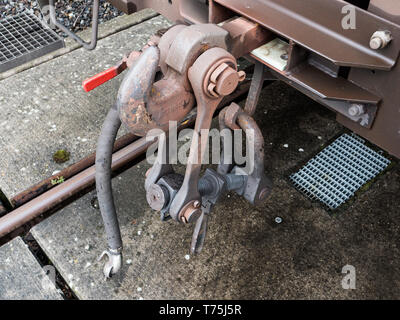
(222, 78)
(380, 39)
(191, 212)
(231, 116)
(157, 197)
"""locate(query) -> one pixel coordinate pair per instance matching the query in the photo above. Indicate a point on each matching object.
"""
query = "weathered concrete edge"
(27, 272)
(106, 29)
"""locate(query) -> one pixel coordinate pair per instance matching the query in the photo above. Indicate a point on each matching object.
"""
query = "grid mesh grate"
(338, 171)
(23, 38)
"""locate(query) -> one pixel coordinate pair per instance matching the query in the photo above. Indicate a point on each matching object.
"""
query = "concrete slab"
(45, 108)
(105, 29)
(246, 255)
(21, 276)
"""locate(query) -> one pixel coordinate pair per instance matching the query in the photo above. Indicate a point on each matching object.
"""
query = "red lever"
(102, 77)
(99, 79)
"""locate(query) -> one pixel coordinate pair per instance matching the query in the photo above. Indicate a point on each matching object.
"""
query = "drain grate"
(338, 171)
(24, 38)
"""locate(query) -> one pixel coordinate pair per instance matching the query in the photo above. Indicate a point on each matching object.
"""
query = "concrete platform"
(246, 255)
(45, 108)
(21, 276)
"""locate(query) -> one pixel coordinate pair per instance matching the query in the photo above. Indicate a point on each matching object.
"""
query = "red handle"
(99, 79)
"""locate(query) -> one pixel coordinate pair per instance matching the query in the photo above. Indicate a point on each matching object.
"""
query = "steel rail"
(45, 185)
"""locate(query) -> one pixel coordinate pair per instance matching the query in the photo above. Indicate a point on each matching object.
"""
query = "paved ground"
(21, 276)
(45, 108)
(247, 255)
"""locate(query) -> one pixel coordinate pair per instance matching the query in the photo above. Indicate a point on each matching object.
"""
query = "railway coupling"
(186, 67)
(342, 54)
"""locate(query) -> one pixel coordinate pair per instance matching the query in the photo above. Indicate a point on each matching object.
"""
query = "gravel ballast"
(75, 15)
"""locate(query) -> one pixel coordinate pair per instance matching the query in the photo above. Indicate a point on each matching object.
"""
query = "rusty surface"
(230, 115)
(62, 192)
(42, 203)
(245, 36)
(135, 90)
(67, 173)
(147, 105)
(255, 88)
(200, 76)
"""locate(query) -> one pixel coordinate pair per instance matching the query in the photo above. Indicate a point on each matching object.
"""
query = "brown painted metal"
(387, 9)
(386, 129)
(245, 36)
(316, 26)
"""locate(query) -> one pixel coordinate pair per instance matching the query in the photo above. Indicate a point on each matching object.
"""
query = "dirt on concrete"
(247, 255)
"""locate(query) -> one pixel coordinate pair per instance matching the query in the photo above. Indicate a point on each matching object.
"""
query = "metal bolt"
(278, 220)
(227, 82)
(356, 110)
(197, 204)
(157, 197)
(191, 215)
(224, 80)
(380, 39)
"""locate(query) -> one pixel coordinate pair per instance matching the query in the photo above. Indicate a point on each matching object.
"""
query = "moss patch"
(61, 156)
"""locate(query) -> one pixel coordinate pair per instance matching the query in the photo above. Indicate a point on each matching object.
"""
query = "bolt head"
(157, 197)
(278, 220)
(356, 110)
(191, 215)
(227, 82)
(375, 43)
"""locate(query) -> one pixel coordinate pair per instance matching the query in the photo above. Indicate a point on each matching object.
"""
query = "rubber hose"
(105, 197)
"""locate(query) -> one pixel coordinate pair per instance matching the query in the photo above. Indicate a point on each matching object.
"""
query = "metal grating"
(24, 38)
(338, 171)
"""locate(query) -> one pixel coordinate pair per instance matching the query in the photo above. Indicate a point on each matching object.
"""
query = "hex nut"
(356, 110)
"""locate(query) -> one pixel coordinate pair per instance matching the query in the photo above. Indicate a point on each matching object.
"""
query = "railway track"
(43, 199)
